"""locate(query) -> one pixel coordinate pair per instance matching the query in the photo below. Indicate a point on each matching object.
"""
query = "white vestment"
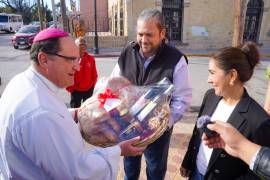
(39, 138)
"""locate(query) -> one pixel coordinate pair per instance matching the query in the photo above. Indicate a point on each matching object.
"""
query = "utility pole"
(40, 15)
(96, 51)
(54, 14)
(238, 23)
(43, 14)
(64, 15)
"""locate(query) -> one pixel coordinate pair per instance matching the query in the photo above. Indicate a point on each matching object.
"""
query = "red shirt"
(86, 78)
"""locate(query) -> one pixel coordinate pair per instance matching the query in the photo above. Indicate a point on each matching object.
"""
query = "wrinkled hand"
(128, 148)
(184, 172)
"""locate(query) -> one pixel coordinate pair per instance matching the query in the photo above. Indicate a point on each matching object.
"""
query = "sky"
(49, 3)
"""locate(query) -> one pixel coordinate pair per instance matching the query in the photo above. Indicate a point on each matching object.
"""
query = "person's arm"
(262, 163)
(55, 144)
(116, 71)
(94, 71)
(186, 166)
(232, 141)
(235, 144)
(181, 97)
(267, 99)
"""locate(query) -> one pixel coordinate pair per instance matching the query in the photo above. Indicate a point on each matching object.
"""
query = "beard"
(148, 49)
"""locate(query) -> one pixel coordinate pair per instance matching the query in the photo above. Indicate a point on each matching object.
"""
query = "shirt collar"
(144, 58)
(47, 82)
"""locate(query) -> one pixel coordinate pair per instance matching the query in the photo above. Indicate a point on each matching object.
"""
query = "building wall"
(206, 23)
(131, 9)
(87, 14)
(107, 41)
(264, 37)
(136, 6)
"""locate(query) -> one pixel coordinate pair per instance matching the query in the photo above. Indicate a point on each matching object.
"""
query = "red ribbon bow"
(102, 97)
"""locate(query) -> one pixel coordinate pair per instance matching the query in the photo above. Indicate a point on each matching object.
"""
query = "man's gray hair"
(151, 13)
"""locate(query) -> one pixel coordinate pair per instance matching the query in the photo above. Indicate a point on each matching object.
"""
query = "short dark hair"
(243, 59)
(151, 13)
(51, 46)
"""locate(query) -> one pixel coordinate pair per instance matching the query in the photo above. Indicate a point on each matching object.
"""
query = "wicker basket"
(159, 131)
(162, 114)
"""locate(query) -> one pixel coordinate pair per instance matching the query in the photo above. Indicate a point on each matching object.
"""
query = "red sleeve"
(94, 70)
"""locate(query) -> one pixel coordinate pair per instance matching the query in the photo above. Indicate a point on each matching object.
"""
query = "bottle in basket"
(150, 94)
(142, 124)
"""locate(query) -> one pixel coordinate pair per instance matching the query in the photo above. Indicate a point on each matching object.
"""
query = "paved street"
(15, 61)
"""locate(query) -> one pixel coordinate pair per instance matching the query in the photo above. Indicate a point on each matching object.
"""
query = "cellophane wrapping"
(120, 111)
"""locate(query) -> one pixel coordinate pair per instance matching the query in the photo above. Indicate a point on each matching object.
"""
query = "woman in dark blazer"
(228, 101)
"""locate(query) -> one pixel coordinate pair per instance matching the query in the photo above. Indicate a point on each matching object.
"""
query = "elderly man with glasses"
(39, 138)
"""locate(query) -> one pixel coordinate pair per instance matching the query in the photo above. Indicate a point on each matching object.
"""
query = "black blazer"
(250, 119)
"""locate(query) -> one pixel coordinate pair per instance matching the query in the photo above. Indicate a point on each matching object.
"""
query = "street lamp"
(96, 51)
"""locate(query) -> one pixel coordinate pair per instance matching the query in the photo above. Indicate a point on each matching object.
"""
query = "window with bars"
(253, 20)
(172, 11)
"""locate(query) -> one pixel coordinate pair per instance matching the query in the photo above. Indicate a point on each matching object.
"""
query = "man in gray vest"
(145, 62)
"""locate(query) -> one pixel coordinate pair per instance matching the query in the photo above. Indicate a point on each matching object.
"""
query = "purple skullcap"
(50, 33)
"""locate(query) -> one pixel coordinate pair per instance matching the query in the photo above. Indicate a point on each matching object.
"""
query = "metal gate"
(172, 11)
(253, 19)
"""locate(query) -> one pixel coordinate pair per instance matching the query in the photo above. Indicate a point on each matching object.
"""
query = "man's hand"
(229, 138)
(232, 141)
(128, 148)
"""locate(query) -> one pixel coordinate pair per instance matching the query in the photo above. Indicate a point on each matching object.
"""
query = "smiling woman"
(228, 101)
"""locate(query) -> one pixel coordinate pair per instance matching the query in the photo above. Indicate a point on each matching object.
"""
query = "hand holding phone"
(202, 123)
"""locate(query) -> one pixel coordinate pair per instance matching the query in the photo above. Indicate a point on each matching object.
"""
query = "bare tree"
(23, 7)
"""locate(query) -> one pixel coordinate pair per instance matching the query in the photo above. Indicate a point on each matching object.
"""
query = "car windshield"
(29, 29)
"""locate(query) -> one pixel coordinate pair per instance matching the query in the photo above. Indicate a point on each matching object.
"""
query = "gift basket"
(122, 111)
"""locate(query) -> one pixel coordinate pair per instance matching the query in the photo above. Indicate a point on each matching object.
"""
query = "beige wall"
(132, 8)
(206, 23)
(87, 14)
(264, 37)
(108, 41)
(136, 6)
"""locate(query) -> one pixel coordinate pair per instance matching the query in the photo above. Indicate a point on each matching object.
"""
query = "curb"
(207, 55)
(106, 55)
(196, 55)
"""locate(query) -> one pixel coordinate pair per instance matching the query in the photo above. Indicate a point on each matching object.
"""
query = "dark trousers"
(156, 156)
(196, 175)
(77, 97)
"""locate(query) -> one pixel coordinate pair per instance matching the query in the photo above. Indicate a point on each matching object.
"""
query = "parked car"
(25, 36)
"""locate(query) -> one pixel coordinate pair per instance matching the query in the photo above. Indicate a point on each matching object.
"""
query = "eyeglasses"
(72, 59)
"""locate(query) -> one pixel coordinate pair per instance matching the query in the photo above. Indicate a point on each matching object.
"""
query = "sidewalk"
(179, 141)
